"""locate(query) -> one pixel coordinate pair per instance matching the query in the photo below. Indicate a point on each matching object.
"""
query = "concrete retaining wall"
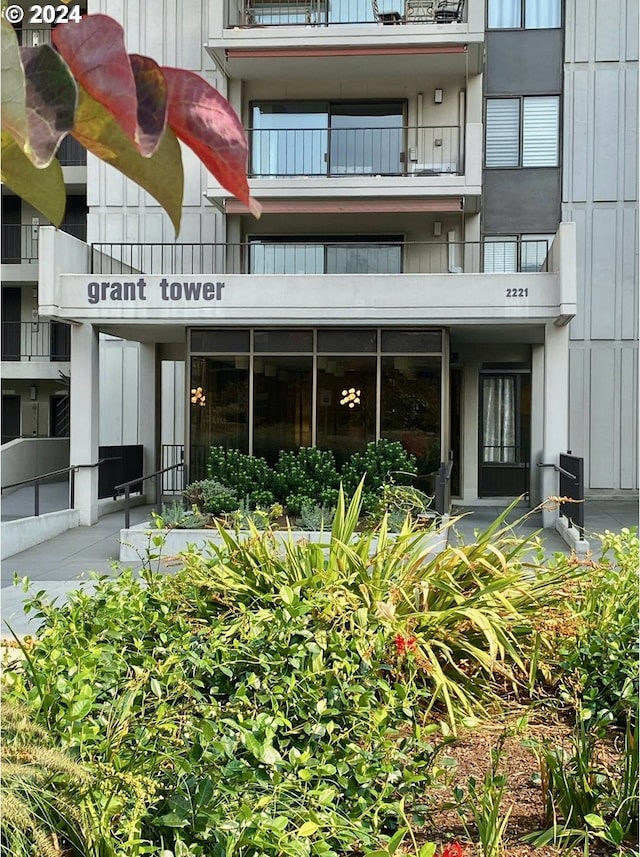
(27, 457)
(136, 541)
(17, 536)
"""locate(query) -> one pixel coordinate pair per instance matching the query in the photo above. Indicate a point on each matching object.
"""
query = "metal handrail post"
(126, 507)
(36, 499)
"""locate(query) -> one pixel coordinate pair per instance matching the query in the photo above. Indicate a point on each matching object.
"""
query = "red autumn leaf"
(51, 96)
(94, 50)
(151, 90)
(207, 123)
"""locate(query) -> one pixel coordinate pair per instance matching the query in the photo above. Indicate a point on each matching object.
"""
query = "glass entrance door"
(505, 408)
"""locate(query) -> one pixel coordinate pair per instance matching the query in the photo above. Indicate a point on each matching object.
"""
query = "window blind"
(540, 128)
(501, 255)
(502, 146)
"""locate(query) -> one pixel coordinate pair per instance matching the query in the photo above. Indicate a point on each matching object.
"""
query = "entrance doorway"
(504, 433)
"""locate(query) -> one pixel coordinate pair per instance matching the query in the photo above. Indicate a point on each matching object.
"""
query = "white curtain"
(499, 420)
(504, 14)
(542, 14)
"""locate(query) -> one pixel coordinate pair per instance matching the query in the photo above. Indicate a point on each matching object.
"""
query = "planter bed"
(136, 541)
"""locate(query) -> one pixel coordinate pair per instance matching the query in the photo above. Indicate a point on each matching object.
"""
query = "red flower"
(403, 645)
(455, 849)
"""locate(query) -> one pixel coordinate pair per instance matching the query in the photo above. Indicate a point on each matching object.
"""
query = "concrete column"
(85, 419)
(147, 409)
(556, 410)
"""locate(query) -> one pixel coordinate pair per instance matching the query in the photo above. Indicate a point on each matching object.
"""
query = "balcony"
(20, 241)
(71, 153)
(311, 39)
(382, 151)
(35, 341)
(320, 13)
(271, 256)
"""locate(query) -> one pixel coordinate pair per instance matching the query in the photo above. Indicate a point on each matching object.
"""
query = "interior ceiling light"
(350, 397)
(198, 397)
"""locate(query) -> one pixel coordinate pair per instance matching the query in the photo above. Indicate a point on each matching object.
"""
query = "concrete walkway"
(58, 566)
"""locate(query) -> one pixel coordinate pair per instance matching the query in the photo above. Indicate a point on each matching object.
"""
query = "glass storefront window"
(410, 404)
(281, 405)
(346, 404)
(220, 414)
(368, 383)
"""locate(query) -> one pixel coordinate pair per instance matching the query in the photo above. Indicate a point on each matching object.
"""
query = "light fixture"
(33, 393)
(198, 397)
(350, 397)
(437, 96)
(437, 228)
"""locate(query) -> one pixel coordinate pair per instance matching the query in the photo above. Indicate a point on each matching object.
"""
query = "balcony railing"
(400, 151)
(20, 241)
(37, 340)
(322, 257)
(71, 153)
(321, 13)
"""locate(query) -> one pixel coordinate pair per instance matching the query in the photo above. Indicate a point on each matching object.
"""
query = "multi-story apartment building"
(411, 276)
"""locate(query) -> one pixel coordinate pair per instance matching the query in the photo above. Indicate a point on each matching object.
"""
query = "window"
(504, 254)
(536, 14)
(292, 138)
(311, 255)
(522, 132)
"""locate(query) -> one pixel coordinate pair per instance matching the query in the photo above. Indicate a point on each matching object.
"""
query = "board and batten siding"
(600, 184)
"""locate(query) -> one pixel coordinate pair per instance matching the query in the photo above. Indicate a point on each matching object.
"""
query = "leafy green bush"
(382, 462)
(209, 495)
(245, 475)
(601, 658)
(307, 472)
(314, 517)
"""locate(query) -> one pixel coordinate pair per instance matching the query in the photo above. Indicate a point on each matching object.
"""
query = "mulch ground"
(472, 752)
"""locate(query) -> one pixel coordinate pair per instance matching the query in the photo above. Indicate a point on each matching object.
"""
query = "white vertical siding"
(600, 195)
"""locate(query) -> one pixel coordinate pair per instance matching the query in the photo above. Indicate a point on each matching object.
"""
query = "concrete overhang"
(158, 308)
(347, 51)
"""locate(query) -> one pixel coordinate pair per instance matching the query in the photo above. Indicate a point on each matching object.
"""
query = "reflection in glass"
(281, 404)
(301, 257)
(224, 418)
(410, 406)
(341, 428)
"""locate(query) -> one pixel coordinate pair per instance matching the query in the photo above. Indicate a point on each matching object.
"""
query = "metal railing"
(297, 257)
(376, 151)
(125, 488)
(321, 13)
(20, 241)
(442, 499)
(36, 340)
(71, 153)
(36, 481)
(570, 469)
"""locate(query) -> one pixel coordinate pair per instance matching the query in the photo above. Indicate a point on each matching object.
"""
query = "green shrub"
(381, 462)
(306, 472)
(244, 474)
(601, 659)
(314, 517)
(211, 496)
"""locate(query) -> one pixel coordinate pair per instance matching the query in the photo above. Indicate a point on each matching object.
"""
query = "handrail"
(43, 476)
(37, 480)
(127, 489)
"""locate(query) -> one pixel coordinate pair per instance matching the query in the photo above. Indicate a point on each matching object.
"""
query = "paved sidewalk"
(57, 566)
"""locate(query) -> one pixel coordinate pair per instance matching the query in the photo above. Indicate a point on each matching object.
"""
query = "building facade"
(414, 274)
